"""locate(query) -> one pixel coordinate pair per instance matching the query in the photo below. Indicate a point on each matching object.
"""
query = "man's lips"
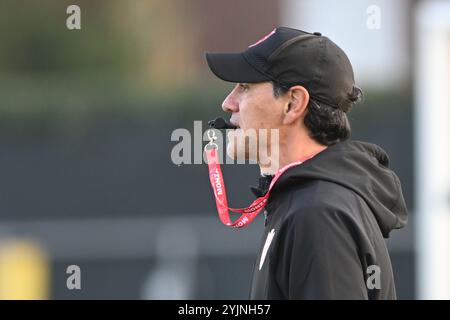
(235, 124)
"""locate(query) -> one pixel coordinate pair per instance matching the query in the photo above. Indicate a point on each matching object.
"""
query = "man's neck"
(290, 152)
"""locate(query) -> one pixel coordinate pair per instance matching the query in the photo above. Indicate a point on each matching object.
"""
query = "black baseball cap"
(291, 57)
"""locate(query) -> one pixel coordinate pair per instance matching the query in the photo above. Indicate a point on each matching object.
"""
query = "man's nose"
(230, 104)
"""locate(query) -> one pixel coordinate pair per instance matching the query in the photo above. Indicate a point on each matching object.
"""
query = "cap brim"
(233, 67)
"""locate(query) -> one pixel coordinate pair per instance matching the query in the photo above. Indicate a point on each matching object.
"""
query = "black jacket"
(325, 224)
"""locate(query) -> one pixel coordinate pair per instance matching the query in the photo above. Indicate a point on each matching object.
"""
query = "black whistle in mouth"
(220, 123)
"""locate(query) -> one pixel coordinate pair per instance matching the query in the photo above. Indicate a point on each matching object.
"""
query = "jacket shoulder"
(323, 196)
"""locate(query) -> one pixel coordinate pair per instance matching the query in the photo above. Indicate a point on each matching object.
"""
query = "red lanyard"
(218, 185)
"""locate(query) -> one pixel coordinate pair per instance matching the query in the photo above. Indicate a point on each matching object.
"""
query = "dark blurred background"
(86, 118)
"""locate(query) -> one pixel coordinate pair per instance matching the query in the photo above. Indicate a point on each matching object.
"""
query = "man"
(326, 218)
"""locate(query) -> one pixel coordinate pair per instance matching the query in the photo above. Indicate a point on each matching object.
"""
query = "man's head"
(256, 106)
(297, 82)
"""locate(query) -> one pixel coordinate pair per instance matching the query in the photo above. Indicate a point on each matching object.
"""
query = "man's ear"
(296, 106)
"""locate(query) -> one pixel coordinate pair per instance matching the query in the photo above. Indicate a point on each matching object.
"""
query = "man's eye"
(244, 86)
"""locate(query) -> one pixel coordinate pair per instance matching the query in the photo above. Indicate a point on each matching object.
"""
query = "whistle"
(220, 123)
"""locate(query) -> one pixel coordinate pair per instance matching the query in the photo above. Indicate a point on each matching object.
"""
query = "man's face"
(253, 107)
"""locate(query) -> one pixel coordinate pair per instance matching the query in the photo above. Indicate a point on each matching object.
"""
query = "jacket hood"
(364, 168)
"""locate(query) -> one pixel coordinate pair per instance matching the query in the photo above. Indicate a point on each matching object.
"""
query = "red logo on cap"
(263, 38)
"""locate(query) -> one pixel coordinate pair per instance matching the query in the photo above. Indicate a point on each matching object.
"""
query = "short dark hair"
(326, 124)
